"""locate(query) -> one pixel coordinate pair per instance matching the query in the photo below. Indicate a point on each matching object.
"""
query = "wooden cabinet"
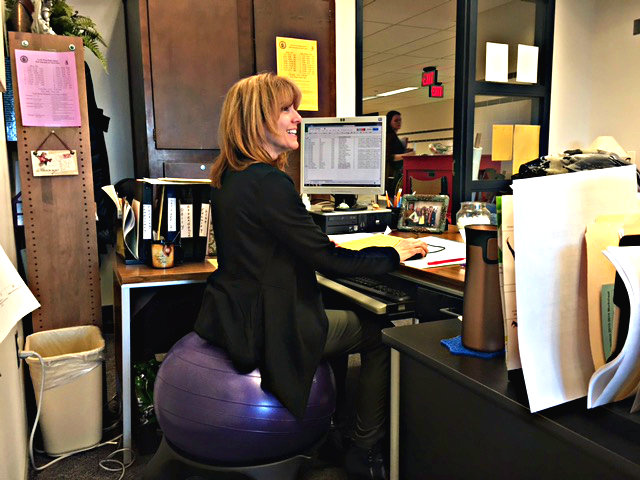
(184, 56)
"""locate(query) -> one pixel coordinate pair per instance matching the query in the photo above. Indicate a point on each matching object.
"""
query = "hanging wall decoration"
(50, 163)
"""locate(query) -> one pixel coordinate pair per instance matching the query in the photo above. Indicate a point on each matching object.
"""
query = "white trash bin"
(71, 413)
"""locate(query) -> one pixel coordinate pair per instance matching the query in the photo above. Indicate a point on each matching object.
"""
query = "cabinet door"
(194, 59)
(183, 57)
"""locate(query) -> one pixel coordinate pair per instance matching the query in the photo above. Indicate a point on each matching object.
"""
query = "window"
(481, 104)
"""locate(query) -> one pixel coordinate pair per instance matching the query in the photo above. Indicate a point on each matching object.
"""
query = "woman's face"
(286, 138)
(396, 122)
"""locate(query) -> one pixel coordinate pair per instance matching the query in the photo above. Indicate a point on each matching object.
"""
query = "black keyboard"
(375, 287)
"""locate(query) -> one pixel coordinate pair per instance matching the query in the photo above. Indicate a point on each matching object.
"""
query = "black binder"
(167, 204)
(144, 194)
(201, 215)
(187, 241)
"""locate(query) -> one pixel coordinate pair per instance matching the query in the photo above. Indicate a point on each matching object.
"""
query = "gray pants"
(349, 333)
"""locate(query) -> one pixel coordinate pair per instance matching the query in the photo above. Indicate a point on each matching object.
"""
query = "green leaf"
(64, 20)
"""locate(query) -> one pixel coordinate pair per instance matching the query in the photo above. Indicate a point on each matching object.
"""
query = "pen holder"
(395, 216)
(162, 254)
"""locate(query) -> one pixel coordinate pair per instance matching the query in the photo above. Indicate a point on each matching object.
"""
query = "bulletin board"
(59, 211)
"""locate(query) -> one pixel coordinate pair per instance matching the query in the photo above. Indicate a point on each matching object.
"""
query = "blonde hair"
(251, 108)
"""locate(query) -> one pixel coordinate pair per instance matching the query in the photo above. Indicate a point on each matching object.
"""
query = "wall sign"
(48, 88)
(297, 59)
(51, 163)
(436, 90)
(429, 76)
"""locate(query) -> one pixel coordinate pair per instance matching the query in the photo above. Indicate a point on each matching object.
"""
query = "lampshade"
(608, 144)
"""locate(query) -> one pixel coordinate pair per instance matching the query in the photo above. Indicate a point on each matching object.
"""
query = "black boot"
(362, 463)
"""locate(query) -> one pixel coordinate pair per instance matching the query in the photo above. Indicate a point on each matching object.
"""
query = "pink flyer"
(48, 88)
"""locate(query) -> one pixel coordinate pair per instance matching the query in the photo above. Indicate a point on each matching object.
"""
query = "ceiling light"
(391, 92)
(395, 92)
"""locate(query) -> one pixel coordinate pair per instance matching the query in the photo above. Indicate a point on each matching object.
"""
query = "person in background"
(396, 150)
(263, 304)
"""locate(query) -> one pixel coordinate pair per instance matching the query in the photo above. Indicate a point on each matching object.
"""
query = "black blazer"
(263, 304)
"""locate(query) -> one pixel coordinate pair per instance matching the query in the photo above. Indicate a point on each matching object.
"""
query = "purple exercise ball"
(215, 415)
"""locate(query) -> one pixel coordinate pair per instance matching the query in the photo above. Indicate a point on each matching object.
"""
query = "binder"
(144, 194)
(202, 212)
(187, 243)
(166, 207)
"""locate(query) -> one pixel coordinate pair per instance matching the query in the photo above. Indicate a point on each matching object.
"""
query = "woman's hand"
(408, 247)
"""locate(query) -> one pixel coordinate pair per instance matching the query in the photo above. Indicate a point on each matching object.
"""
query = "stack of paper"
(550, 217)
(130, 216)
(441, 252)
(378, 240)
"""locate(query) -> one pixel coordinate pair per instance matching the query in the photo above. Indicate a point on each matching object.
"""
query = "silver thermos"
(482, 325)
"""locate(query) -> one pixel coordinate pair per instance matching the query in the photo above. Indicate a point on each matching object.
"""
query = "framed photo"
(424, 213)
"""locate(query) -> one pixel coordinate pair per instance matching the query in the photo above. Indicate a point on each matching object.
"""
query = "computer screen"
(342, 155)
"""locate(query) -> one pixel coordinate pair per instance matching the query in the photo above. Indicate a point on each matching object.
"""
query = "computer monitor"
(343, 157)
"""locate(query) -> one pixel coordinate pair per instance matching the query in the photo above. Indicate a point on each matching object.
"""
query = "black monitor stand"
(351, 200)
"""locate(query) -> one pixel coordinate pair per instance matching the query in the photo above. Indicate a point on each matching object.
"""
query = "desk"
(462, 419)
(126, 278)
(449, 280)
(436, 292)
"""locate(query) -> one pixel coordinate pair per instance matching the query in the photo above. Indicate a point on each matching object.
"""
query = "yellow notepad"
(373, 241)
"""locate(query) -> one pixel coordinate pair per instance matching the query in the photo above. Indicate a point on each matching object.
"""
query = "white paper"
(147, 213)
(527, 64)
(550, 217)
(172, 218)
(203, 231)
(497, 62)
(129, 230)
(347, 237)
(186, 220)
(508, 284)
(111, 191)
(452, 253)
(175, 181)
(16, 300)
(618, 379)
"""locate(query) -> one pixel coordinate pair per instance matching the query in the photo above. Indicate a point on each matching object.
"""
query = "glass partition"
(504, 111)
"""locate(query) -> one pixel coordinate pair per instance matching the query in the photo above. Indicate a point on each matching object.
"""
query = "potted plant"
(57, 17)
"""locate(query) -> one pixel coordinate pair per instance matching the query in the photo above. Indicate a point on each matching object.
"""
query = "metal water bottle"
(482, 325)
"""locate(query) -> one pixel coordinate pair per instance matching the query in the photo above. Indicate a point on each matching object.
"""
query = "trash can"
(71, 412)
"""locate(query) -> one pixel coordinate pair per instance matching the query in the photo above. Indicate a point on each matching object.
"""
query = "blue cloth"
(455, 346)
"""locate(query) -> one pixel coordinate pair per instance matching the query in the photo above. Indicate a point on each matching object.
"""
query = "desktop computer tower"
(334, 223)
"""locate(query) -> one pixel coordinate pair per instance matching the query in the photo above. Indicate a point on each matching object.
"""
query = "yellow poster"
(297, 60)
